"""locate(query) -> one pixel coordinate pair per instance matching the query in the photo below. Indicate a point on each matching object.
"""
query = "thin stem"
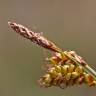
(86, 67)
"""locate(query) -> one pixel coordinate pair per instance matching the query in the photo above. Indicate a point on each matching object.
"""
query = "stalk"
(85, 66)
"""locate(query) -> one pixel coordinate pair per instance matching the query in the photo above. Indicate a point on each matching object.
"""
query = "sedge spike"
(67, 68)
(35, 37)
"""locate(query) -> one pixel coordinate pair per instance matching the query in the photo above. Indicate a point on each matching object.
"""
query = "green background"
(71, 24)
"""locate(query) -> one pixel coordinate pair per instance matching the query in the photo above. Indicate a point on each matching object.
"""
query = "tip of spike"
(11, 24)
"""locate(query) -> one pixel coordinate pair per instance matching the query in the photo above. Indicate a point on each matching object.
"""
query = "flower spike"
(35, 37)
(67, 68)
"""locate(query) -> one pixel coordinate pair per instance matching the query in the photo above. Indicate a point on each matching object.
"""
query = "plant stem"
(86, 67)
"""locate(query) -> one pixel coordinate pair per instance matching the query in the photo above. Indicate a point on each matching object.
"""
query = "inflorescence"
(65, 68)
(64, 72)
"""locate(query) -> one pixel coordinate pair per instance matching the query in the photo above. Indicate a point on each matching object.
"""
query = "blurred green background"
(71, 24)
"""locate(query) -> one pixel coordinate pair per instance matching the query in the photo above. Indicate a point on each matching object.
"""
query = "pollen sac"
(57, 59)
(89, 79)
(45, 81)
(65, 73)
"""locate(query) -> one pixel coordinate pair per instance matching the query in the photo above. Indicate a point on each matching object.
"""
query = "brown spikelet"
(35, 37)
